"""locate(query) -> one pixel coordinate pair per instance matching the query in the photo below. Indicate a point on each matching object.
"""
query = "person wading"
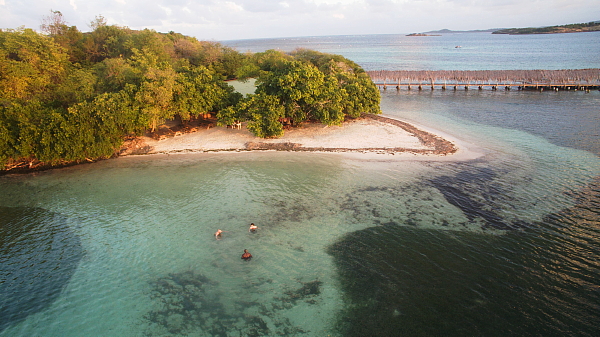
(246, 256)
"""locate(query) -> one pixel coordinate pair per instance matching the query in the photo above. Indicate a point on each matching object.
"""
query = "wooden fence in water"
(566, 79)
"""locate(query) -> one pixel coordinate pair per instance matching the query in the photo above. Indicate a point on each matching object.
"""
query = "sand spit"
(373, 134)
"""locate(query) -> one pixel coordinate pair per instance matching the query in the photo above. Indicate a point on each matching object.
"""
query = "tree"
(68, 37)
(310, 86)
(31, 65)
(99, 21)
(152, 42)
(362, 96)
(263, 112)
(200, 91)
(9, 132)
(229, 61)
(330, 106)
(114, 73)
(259, 64)
(53, 24)
(157, 84)
(103, 122)
(106, 42)
(78, 86)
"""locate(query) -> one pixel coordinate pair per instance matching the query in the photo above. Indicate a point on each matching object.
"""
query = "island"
(422, 34)
(70, 97)
(448, 31)
(570, 28)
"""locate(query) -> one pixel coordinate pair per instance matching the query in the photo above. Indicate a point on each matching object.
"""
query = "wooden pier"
(554, 80)
(489, 86)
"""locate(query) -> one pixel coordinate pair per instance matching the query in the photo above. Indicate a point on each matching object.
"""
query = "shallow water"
(540, 277)
(344, 245)
(507, 244)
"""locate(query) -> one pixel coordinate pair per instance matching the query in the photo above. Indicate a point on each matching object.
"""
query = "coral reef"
(190, 303)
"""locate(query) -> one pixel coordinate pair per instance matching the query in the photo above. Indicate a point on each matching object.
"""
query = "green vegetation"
(68, 96)
(571, 28)
(302, 86)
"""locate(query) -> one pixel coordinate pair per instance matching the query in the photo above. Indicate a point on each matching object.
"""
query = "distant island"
(422, 34)
(448, 31)
(571, 28)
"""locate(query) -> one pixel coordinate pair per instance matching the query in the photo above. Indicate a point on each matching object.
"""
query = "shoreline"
(372, 137)
(369, 137)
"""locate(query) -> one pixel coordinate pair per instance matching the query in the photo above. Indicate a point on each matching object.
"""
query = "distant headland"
(448, 31)
(571, 28)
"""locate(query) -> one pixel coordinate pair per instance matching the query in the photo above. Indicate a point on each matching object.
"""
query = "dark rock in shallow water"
(189, 303)
(39, 254)
(308, 289)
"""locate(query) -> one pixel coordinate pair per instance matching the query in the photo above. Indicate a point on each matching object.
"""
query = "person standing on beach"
(246, 256)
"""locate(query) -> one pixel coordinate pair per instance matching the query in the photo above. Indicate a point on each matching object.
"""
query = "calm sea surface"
(505, 245)
(478, 51)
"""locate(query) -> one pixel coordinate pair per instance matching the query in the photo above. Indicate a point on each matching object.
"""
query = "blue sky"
(246, 19)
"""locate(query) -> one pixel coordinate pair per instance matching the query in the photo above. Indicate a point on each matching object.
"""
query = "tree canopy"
(68, 96)
(305, 86)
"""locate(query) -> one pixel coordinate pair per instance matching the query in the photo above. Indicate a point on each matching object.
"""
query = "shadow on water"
(38, 254)
(543, 281)
(475, 193)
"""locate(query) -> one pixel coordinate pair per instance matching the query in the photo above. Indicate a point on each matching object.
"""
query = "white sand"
(358, 138)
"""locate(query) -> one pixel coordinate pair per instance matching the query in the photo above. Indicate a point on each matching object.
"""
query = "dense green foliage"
(303, 86)
(570, 28)
(68, 96)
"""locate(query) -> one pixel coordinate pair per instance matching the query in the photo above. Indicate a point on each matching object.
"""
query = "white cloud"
(233, 6)
(335, 2)
(236, 19)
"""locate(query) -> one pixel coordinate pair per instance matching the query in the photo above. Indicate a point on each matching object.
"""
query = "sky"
(216, 20)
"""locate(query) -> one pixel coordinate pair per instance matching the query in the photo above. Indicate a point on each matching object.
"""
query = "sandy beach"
(374, 136)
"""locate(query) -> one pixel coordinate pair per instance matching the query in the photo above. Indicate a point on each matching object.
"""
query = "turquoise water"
(478, 51)
(507, 244)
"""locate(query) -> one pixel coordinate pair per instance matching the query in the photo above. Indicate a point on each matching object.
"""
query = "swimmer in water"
(218, 234)
(246, 256)
(252, 228)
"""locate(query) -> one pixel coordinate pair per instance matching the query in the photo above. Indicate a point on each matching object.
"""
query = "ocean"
(507, 244)
(477, 51)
